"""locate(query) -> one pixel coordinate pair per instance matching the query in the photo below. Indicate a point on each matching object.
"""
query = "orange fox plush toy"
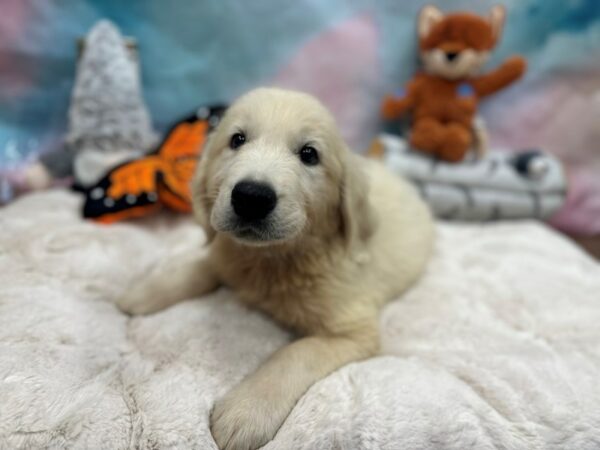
(443, 98)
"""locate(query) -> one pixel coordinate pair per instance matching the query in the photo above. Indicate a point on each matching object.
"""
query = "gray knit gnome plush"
(108, 120)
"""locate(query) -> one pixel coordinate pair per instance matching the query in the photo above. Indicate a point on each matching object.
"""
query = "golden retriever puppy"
(304, 230)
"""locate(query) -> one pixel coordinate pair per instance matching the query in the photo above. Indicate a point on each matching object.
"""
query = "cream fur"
(354, 236)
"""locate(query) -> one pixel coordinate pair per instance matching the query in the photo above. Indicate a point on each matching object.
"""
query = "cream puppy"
(304, 230)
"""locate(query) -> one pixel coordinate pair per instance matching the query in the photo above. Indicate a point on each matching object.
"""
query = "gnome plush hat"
(108, 120)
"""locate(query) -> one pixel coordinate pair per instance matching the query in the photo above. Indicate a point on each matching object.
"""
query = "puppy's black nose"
(451, 56)
(252, 200)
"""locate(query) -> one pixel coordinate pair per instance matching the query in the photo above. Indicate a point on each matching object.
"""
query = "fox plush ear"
(429, 16)
(497, 16)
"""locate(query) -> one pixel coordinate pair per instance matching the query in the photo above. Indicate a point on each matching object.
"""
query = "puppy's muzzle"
(253, 201)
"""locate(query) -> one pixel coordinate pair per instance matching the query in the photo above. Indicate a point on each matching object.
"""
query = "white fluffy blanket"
(497, 347)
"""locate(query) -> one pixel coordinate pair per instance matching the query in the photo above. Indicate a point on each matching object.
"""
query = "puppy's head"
(456, 46)
(276, 170)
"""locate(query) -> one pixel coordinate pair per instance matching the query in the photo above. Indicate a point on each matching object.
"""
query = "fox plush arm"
(512, 69)
(394, 106)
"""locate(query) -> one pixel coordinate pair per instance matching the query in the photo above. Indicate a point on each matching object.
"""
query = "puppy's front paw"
(138, 301)
(245, 421)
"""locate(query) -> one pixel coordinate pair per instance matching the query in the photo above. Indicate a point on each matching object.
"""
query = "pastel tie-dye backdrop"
(348, 52)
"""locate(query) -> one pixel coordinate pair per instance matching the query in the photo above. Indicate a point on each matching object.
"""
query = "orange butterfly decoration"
(162, 179)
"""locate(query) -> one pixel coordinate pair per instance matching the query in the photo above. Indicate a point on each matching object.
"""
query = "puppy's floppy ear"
(428, 18)
(497, 17)
(203, 202)
(357, 216)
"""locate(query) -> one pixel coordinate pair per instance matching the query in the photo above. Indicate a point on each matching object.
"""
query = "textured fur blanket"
(498, 346)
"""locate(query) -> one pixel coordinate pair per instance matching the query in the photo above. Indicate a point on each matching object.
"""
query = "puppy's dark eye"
(237, 140)
(309, 155)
